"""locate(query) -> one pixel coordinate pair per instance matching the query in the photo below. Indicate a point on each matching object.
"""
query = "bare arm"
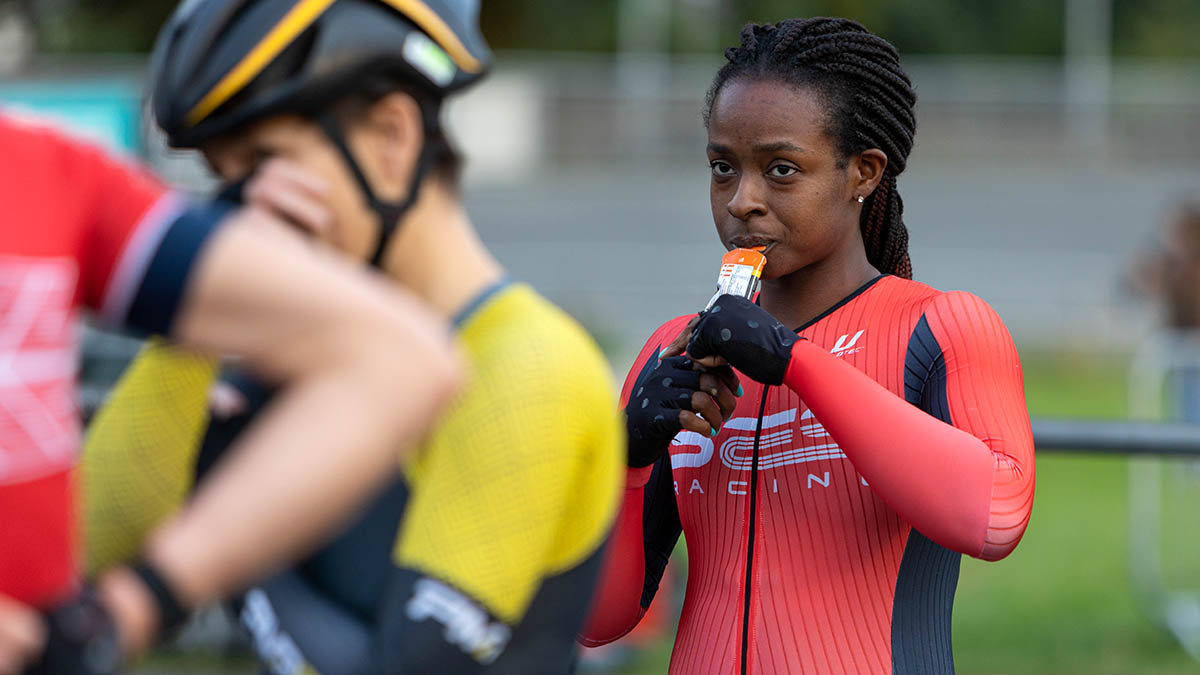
(364, 371)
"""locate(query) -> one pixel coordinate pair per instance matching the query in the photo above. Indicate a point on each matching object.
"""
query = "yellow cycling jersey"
(140, 450)
(519, 482)
(525, 469)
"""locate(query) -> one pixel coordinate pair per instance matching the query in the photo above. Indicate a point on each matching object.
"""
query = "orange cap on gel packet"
(741, 273)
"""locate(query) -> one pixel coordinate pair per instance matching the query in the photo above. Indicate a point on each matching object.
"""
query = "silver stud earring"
(860, 199)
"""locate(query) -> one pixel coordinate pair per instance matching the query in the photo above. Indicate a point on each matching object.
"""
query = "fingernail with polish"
(660, 354)
(713, 432)
(740, 392)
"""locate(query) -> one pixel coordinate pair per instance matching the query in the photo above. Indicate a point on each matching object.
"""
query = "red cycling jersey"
(79, 230)
(824, 522)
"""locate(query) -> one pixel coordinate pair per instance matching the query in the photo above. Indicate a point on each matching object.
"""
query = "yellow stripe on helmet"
(428, 20)
(293, 23)
(301, 16)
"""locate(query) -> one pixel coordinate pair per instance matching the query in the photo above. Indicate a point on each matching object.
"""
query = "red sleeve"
(38, 543)
(967, 485)
(125, 211)
(617, 607)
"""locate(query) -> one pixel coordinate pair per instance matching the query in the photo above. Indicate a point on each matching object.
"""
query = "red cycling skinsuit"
(79, 230)
(826, 520)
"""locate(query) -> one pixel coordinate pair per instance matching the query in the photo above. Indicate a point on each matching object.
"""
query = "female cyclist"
(826, 517)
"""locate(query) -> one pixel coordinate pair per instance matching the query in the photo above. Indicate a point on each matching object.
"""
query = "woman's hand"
(287, 191)
(671, 395)
(742, 334)
(22, 635)
(679, 345)
(132, 608)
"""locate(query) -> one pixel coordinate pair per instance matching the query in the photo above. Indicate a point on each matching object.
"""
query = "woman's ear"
(867, 169)
(397, 134)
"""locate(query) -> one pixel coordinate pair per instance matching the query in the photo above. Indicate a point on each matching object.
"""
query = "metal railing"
(1112, 437)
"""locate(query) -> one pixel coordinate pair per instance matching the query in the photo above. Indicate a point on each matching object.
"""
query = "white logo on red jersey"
(842, 348)
(39, 431)
(737, 451)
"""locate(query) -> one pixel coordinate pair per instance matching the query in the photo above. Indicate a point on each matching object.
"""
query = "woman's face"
(776, 175)
(301, 142)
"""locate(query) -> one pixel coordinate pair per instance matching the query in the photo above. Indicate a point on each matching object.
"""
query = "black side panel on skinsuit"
(660, 528)
(928, 577)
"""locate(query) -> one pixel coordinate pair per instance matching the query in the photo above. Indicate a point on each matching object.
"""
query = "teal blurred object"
(105, 110)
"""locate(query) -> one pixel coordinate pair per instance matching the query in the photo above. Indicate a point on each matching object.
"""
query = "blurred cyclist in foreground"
(84, 231)
(484, 557)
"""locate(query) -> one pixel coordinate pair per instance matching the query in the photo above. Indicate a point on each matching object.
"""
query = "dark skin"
(714, 403)
(778, 180)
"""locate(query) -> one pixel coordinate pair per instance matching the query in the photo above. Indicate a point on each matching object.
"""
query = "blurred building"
(1032, 180)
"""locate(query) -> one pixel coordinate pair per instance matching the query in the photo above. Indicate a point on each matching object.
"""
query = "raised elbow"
(1008, 516)
(1000, 543)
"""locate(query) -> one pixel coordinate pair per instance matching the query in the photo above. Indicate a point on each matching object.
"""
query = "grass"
(1062, 603)
(198, 663)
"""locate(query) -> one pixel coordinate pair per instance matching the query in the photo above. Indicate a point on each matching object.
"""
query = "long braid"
(871, 101)
(886, 244)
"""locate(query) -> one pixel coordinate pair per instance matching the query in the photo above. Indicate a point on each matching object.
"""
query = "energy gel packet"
(741, 273)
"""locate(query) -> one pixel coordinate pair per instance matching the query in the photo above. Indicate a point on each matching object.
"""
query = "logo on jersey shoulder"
(737, 451)
(844, 348)
(467, 624)
(39, 431)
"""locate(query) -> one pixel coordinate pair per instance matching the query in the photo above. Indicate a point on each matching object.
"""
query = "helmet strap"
(389, 213)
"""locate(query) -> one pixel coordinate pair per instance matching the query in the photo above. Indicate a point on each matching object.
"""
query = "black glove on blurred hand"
(661, 391)
(81, 640)
(750, 339)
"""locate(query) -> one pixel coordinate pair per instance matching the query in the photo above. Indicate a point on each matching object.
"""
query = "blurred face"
(302, 143)
(776, 179)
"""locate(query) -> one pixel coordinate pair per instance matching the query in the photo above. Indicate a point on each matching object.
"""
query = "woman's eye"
(782, 171)
(262, 154)
(720, 168)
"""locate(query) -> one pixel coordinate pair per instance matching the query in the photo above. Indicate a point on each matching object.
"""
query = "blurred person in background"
(1169, 274)
(484, 557)
(83, 231)
(825, 518)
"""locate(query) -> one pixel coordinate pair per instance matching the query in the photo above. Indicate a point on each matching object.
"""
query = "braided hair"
(870, 101)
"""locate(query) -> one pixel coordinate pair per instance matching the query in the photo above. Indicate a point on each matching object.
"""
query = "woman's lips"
(752, 242)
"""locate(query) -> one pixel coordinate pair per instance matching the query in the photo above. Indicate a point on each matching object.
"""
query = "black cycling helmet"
(220, 64)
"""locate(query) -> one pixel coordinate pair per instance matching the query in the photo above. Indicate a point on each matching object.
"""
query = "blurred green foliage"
(550, 24)
(1157, 28)
(931, 26)
(1141, 28)
(96, 25)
